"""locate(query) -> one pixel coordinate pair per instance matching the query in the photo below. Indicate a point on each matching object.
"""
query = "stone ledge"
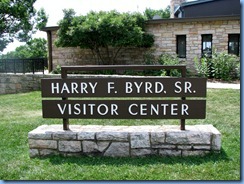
(124, 141)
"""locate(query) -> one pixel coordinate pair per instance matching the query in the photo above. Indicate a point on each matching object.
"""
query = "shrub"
(150, 59)
(163, 59)
(225, 66)
(202, 67)
(57, 70)
(169, 59)
(238, 70)
(220, 66)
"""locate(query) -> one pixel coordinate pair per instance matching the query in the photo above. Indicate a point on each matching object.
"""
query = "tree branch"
(118, 50)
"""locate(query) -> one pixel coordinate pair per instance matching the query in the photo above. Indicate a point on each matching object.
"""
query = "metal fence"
(23, 65)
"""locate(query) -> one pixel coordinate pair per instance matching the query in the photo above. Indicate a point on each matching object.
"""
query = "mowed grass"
(21, 113)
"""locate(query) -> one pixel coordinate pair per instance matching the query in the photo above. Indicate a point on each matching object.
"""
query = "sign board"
(124, 87)
(124, 109)
(107, 97)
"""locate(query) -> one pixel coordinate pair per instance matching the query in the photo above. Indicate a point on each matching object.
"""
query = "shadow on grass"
(139, 161)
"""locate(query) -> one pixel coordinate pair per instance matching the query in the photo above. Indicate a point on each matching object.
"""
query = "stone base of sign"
(124, 141)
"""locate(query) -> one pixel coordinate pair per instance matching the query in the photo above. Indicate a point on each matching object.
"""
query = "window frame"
(237, 53)
(178, 38)
(204, 37)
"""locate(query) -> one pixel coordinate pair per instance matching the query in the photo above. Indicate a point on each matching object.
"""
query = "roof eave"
(51, 28)
(195, 2)
(191, 19)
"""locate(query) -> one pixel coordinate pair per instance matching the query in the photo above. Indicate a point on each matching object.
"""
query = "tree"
(150, 13)
(19, 19)
(105, 33)
(36, 48)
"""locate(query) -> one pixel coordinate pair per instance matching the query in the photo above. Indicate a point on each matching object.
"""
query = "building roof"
(52, 28)
(178, 9)
(195, 2)
(200, 8)
(171, 20)
(194, 19)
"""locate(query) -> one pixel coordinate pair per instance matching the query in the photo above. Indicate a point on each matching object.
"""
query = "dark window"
(181, 46)
(207, 45)
(234, 44)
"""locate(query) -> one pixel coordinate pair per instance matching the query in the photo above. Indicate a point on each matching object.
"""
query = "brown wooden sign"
(124, 109)
(124, 87)
(117, 90)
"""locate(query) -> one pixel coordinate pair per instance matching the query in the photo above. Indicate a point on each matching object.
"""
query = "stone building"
(195, 28)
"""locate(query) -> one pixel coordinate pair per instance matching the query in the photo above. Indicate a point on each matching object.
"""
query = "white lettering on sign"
(158, 109)
(185, 87)
(73, 88)
(184, 109)
(65, 88)
(174, 109)
(144, 87)
(133, 88)
(55, 87)
(77, 110)
(84, 109)
(111, 87)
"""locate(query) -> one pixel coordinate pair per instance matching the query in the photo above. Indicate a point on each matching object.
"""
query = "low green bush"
(220, 66)
(169, 59)
(202, 67)
(57, 70)
(163, 59)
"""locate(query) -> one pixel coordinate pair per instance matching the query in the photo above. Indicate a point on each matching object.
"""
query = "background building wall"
(165, 36)
(165, 32)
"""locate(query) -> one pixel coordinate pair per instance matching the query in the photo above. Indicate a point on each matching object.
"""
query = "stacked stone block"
(123, 141)
(21, 83)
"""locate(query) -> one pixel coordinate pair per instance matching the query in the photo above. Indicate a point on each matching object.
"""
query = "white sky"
(54, 7)
(54, 10)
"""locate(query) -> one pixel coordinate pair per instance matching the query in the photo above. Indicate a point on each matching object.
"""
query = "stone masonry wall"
(165, 42)
(21, 83)
(165, 36)
(124, 141)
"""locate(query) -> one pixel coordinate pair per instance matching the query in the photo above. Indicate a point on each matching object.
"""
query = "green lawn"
(21, 113)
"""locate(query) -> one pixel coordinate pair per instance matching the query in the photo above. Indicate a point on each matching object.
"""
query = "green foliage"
(225, 66)
(57, 70)
(169, 59)
(105, 33)
(202, 67)
(220, 66)
(150, 13)
(19, 19)
(35, 48)
(163, 59)
(238, 70)
(41, 19)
